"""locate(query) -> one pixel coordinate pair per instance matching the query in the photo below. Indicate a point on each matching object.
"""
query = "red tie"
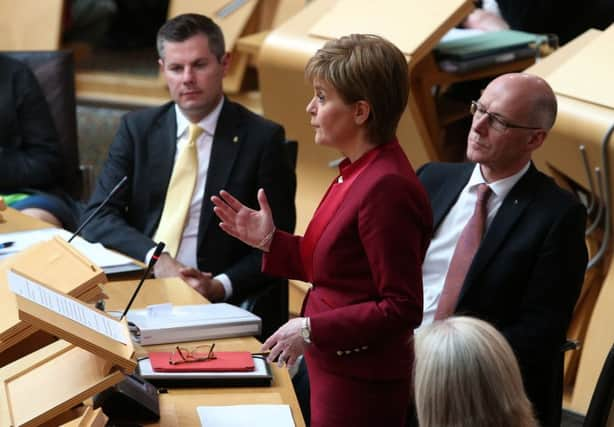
(466, 247)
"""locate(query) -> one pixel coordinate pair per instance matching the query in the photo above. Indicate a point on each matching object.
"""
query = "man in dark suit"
(567, 20)
(528, 270)
(30, 159)
(235, 149)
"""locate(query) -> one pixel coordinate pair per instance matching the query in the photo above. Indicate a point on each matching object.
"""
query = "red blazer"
(366, 298)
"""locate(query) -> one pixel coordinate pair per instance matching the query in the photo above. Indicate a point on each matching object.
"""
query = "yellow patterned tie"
(179, 194)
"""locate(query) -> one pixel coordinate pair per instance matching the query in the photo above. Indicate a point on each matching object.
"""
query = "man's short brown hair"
(182, 27)
(370, 68)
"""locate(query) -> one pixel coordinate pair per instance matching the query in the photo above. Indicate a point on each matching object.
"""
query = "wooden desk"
(178, 406)
(16, 221)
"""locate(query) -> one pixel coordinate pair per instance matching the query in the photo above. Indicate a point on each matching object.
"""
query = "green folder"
(489, 43)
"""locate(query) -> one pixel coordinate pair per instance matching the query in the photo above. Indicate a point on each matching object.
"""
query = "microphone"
(152, 262)
(104, 202)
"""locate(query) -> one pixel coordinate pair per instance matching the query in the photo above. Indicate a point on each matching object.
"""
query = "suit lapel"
(162, 148)
(512, 208)
(229, 136)
(446, 195)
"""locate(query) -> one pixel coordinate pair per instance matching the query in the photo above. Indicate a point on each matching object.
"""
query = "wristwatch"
(306, 330)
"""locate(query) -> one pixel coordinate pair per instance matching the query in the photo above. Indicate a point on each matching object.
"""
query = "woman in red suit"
(362, 250)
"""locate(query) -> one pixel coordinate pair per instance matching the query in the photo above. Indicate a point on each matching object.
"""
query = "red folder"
(227, 361)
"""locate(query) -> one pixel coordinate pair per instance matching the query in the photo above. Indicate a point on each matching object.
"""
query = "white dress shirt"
(491, 6)
(443, 243)
(186, 253)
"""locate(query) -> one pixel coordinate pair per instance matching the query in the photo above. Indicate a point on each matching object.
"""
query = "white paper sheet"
(460, 33)
(95, 252)
(66, 307)
(168, 315)
(245, 415)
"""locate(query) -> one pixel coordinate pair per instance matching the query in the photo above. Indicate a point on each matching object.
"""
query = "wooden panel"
(16, 221)
(549, 64)
(232, 25)
(153, 291)
(86, 417)
(414, 26)
(273, 13)
(51, 370)
(115, 352)
(30, 24)
(592, 83)
(599, 339)
(55, 263)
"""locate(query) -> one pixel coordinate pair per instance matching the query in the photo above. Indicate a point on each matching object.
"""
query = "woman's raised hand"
(254, 228)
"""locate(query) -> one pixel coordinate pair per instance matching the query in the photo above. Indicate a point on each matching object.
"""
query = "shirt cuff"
(227, 284)
(149, 254)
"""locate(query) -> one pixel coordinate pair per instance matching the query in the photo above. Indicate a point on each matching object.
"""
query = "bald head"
(521, 109)
(530, 94)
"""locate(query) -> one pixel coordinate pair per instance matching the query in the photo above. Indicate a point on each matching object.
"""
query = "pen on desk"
(5, 245)
(265, 354)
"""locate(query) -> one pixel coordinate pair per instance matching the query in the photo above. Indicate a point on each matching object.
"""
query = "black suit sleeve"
(29, 154)
(277, 177)
(554, 284)
(111, 225)
(566, 19)
(529, 16)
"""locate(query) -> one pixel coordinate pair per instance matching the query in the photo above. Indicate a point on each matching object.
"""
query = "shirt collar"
(208, 123)
(501, 187)
(347, 168)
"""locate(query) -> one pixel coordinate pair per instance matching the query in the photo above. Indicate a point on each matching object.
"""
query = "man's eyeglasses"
(196, 354)
(494, 121)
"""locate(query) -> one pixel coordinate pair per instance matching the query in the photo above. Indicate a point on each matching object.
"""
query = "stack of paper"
(168, 324)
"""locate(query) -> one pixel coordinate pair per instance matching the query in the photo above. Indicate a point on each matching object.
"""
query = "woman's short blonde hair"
(466, 375)
(365, 67)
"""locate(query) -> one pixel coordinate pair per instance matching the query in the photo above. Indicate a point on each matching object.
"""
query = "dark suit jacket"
(566, 19)
(367, 276)
(527, 274)
(144, 151)
(29, 147)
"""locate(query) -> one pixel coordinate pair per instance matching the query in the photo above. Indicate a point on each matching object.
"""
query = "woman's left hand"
(286, 344)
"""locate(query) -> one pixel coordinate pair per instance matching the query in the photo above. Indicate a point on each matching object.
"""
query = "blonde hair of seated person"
(466, 374)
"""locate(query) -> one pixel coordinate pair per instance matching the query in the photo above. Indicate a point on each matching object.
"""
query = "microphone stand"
(104, 202)
(152, 262)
